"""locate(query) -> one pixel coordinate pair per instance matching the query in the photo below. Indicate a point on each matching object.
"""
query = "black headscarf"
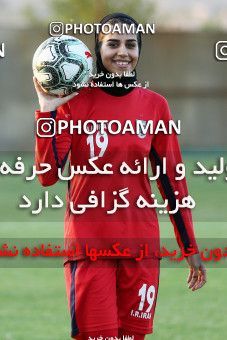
(114, 90)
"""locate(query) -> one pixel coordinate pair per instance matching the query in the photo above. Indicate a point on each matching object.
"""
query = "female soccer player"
(112, 296)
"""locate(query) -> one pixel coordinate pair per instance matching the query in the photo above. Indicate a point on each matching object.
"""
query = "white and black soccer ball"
(62, 64)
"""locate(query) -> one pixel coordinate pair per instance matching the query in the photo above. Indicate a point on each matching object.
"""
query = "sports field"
(33, 300)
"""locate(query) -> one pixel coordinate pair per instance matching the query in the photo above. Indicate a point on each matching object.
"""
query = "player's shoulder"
(82, 99)
(153, 96)
(86, 95)
(83, 92)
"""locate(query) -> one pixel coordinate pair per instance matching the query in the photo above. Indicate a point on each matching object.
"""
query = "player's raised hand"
(197, 272)
(47, 102)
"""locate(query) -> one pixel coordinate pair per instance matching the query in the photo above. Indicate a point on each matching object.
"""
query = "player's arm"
(52, 150)
(168, 146)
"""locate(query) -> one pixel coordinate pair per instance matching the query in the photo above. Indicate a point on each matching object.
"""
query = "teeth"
(122, 63)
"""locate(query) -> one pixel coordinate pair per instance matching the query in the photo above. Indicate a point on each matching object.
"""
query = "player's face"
(119, 52)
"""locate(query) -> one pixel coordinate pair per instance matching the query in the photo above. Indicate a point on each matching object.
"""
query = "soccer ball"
(62, 64)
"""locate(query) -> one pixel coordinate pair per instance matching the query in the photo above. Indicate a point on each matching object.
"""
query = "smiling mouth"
(121, 63)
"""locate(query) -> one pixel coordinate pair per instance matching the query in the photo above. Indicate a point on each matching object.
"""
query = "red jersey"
(132, 223)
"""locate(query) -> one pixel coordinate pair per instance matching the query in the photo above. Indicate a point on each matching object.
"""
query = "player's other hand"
(47, 102)
(197, 272)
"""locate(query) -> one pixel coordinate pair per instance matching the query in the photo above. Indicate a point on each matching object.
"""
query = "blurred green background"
(179, 62)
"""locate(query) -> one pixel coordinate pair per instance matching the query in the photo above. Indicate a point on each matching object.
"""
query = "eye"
(112, 44)
(131, 45)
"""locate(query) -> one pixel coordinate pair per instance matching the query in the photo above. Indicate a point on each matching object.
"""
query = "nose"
(122, 51)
